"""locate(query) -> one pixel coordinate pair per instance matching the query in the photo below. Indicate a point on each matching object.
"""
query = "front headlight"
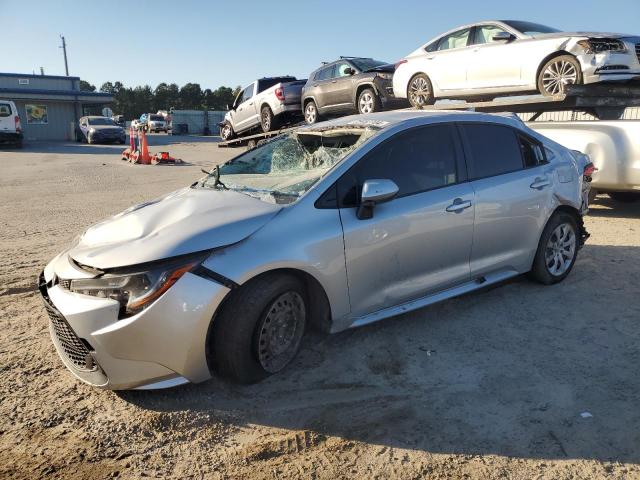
(600, 45)
(385, 76)
(136, 290)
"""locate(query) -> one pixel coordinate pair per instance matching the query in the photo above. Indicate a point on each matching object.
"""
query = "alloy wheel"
(366, 103)
(281, 331)
(310, 113)
(560, 249)
(557, 75)
(226, 132)
(419, 91)
(266, 121)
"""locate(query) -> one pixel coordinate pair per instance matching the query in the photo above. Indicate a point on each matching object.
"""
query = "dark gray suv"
(349, 85)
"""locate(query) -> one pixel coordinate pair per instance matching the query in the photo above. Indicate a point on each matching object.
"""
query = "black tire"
(546, 84)
(251, 144)
(593, 193)
(420, 91)
(368, 101)
(624, 197)
(237, 337)
(79, 137)
(541, 271)
(268, 121)
(311, 114)
(226, 131)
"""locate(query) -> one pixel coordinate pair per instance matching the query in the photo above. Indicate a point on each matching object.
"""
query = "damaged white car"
(487, 59)
(331, 226)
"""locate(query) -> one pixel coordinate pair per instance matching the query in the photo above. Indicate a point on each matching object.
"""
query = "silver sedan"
(331, 226)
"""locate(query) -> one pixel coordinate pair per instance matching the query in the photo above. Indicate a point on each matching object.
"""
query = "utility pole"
(64, 50)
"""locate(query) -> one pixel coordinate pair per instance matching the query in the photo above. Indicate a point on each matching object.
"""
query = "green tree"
(86, 86)
(191, 97)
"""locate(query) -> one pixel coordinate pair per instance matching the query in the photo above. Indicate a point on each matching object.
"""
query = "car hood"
(186, 221)
(581, 34)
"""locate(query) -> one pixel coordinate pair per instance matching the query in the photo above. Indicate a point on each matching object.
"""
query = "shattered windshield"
(283, 169)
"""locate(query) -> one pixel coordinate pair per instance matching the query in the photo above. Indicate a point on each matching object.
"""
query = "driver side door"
(415, 244)
(246, 115)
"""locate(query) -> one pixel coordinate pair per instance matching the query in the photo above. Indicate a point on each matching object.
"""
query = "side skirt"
(456, 291)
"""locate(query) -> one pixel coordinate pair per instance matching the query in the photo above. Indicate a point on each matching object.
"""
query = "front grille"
(75, 349)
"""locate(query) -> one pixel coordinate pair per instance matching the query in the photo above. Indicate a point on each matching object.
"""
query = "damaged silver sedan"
(330, 227)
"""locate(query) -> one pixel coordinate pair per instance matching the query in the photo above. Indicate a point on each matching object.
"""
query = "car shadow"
(604, 206)
(513, 371)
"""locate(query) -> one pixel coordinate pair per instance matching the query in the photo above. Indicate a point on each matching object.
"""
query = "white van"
(10, 127)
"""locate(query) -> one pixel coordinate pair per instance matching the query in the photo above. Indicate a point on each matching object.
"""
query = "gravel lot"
(490, 385)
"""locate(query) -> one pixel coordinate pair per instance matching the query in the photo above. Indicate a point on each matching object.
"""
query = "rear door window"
(417, 160)
(325, 74)
(5, 110)
(532, 152)
(457, 39)
(494, 149)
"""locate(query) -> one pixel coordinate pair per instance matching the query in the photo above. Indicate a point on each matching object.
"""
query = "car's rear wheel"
(420, 91)
(368, 101)
(260, 328)
(267, 120)
(557, 73)
(311, 115)
(557, 249)
(624, 197)
(226, 131)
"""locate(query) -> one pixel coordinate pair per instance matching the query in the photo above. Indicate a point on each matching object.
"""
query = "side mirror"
(374, 192)
(503, 37)
(349, 71)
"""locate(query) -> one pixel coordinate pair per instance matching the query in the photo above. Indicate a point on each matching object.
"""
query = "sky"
(231, 43)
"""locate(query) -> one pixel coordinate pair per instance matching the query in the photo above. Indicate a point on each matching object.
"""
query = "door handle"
(430, 58)
(539, 183)
(251, 104)
(315, 84)
(458, 205)
(334, 81)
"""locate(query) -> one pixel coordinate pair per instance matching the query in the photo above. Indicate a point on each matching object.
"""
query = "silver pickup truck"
(266, 103)
(614, 149)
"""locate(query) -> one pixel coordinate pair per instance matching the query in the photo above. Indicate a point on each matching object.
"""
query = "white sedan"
(488, 59)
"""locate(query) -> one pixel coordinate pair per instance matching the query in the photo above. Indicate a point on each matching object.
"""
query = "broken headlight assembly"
(136, 288)
(602, 45)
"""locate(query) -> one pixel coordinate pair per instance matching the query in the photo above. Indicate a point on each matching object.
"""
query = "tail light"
(589, 169)
(280, 94)
(404, 60)
(18, 124)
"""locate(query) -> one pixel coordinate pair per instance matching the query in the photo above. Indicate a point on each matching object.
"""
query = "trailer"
(603, 101)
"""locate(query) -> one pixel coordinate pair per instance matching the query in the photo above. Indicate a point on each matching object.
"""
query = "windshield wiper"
(215, 173)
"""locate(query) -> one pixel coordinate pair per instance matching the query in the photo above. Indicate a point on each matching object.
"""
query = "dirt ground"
(490, 385)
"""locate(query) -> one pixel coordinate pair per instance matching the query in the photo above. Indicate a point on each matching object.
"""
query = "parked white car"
(10, 126)
(613, 148)
(488, 59)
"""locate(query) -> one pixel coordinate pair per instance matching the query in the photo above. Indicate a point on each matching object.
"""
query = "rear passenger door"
(513, 195)
(420, 241)
(320, 87)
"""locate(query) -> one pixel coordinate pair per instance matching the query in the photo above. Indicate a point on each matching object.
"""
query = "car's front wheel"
(557, 249)
(368, 101)
(557, 73)
(260, 328)
(226, 131)
(311, 115)
(420, 91)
